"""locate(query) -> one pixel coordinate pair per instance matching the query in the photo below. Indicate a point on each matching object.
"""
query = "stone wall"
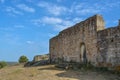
(109, 47)
(41, 57)
(88, 41)
(67, 44)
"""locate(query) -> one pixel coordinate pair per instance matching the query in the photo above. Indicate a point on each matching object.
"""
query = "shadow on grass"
(81, 74)
(50, 68)
(72, 74)
(87, 75)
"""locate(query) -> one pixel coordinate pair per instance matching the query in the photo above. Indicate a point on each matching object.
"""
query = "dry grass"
(49, 72)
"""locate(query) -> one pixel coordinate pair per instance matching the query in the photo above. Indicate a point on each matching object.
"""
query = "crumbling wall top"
(95, 20)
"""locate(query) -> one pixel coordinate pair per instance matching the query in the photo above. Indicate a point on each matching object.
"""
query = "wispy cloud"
(29, 42)
(78, 9)
(66, 23)
(13, 11)
(57, 23)
(86, 8)
(47, 20)
(52, 8)
(51, 20)
(75, 8)
(25, 8)
(112, 4)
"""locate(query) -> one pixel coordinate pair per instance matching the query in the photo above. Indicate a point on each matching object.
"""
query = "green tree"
(3, 64)
(23, 59)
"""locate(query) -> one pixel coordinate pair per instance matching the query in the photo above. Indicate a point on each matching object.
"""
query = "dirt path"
(49, 72)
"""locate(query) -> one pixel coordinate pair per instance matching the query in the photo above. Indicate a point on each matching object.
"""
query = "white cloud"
(43, 4)
(29, 42)
(52, 8)
(51, 20)
(47, 20)
(65, 24)
(87, 11)
(57, 23)
(86, 8)
(61, 27)
(13, 11)
(26, 8)
(112, 4)
(78, 8)
(57, 10)
(83, 8)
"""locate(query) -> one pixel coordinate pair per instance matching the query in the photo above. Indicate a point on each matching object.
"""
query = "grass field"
(49, 72)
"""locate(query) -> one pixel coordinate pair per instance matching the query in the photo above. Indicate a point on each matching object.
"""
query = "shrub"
(3, 64)
(23, 59)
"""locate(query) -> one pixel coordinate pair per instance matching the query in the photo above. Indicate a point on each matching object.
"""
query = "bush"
(23, 59)
(3, 64)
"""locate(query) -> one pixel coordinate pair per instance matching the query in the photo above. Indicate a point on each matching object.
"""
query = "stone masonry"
(88, 41)
(41, 57)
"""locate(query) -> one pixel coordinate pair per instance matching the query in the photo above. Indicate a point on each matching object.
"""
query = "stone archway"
(83, 56)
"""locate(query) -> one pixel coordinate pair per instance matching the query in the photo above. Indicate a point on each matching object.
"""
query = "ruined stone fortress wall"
(108, 43)
(87, 41)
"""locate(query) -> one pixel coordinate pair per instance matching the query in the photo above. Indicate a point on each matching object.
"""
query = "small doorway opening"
(83, 56)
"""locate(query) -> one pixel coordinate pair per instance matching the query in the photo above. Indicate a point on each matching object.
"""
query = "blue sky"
(27, 25)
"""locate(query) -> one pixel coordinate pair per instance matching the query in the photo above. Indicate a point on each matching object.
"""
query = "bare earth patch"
(49, 72)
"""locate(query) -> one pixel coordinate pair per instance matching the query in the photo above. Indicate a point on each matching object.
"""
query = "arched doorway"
(83, 56)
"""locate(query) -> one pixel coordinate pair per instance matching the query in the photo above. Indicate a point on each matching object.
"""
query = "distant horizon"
(9, 61)
(26, 26)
